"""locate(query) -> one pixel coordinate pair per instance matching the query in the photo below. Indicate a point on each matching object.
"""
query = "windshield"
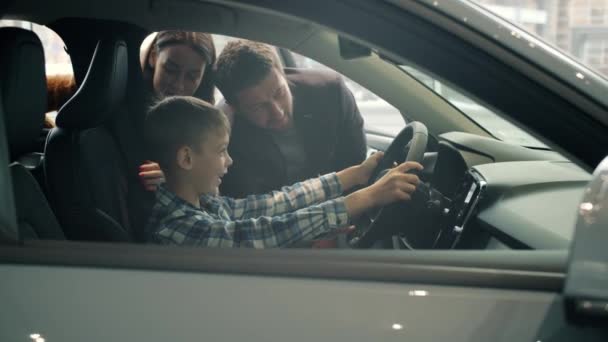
(578, 28)
(480, 114)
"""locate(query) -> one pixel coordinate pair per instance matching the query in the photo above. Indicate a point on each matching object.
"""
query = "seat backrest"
(23, 91)
(84, 167)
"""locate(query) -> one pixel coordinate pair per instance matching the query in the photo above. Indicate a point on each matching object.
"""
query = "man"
(289, 125)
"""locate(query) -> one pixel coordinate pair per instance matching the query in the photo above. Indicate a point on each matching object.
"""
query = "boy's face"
(267, 104)
(210, 162)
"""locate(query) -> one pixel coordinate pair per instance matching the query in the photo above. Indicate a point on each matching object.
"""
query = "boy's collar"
(162, 190)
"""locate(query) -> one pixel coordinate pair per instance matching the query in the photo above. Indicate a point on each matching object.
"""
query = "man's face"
(267, 104)
(210, 162)
(178, 70)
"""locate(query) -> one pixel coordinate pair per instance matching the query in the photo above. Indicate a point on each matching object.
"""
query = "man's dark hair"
(242, 64)
(178, 121)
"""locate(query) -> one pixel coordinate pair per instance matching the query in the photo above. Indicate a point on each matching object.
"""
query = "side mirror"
(586, 289)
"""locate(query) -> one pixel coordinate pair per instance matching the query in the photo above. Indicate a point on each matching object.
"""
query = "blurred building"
(577, 27)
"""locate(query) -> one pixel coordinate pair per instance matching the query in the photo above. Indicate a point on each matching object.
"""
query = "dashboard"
(493, 195)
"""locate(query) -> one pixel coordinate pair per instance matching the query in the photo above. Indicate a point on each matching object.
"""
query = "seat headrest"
(102, 89)
(22, 87)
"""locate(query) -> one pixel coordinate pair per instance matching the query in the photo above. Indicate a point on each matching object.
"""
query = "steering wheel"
(409, 145)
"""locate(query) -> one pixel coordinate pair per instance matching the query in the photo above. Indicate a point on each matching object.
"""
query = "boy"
(189, 138)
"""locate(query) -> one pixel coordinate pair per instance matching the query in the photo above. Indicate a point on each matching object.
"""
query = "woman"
(176, 63)
(179, 63)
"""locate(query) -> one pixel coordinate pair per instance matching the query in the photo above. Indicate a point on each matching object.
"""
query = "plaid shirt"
(302, 211)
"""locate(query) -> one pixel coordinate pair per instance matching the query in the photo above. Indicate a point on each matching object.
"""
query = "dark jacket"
(328, 124)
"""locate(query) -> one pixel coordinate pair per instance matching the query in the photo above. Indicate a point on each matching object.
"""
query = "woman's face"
(178, 70)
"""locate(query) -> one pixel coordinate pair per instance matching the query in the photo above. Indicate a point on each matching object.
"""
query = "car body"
(501, 276)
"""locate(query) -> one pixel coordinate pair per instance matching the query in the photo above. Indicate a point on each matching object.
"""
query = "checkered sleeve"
(261, 232)
(288, 199)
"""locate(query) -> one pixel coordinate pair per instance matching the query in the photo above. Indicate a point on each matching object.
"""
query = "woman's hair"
(59, 89)
(199, 42)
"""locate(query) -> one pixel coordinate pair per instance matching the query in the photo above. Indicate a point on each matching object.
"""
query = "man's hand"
(151, 175)
(396, 185)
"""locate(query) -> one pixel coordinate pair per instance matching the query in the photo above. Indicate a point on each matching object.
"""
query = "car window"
(220, 41)
(577, 27)
(57, 59)
(379, 115)
(59, 72)
(482, 115)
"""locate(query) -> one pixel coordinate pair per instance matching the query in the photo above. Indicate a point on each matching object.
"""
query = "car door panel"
(71, 304)
(217, 295)
(69, 291)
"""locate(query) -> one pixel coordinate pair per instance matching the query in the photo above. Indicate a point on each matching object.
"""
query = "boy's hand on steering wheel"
(367, 167)
(395, 185)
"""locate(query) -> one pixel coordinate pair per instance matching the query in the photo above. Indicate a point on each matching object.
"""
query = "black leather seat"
(85, 170)
(23, 98)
